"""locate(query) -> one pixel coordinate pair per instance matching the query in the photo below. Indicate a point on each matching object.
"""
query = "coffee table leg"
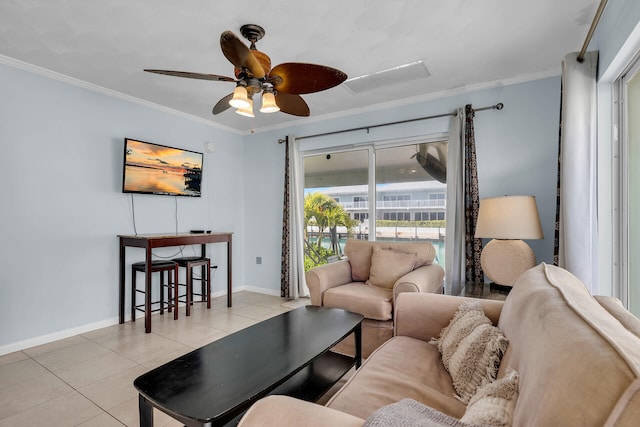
(358, 336)
(146, 412)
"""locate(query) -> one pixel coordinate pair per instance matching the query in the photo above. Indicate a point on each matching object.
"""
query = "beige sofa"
(369, 281)
(578, 359)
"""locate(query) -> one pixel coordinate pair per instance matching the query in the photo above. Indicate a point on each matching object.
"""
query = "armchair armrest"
(327, 276)
(424, 315)
(283, 411)
(428, 278)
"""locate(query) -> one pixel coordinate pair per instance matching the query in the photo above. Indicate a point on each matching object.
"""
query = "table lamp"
(508, 220)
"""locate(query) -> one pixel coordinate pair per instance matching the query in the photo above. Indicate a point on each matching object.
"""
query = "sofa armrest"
(284, 411)
(327, 276)
(424, 315)
(428, 278)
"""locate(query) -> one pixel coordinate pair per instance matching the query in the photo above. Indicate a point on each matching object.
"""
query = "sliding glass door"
(630, 184)
(391, 192)
(411, 193)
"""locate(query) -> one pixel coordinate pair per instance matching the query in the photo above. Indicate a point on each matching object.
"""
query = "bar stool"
(160, 266)
(189, 263)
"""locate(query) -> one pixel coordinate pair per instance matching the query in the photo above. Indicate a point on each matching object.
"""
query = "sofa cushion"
(576, 361)
(388, 265)
(494, 403)
(401, 368)
(409, 412)
(370, 301)
(471, 349)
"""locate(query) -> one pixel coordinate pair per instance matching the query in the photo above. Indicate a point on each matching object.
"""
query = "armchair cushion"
(388, 265)
(360, 252)
(370, 301)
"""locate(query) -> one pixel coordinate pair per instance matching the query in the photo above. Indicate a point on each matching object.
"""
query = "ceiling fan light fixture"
(269, 102)
(248, 111)
(240, 99)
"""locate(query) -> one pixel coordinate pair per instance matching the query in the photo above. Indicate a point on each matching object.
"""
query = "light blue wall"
(619, 19)
(517, 154)
(61, 170)
(62, 206)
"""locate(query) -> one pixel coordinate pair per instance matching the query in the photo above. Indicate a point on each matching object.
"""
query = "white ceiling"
(463, 43)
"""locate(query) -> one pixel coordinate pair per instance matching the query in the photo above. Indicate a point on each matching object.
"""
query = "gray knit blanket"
(411, 413)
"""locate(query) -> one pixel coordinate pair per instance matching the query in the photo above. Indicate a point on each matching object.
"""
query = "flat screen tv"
(157, 169)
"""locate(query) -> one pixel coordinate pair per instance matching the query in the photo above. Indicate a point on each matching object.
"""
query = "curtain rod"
(498, 106)
(592, 29)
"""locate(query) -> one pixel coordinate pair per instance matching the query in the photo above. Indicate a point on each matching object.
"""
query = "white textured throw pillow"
(471, 349)
(493, 404)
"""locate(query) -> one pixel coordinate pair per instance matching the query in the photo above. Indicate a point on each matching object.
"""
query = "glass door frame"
(621, 180)
(371, 148)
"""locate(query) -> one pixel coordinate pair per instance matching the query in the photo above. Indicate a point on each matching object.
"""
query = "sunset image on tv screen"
(157, 169)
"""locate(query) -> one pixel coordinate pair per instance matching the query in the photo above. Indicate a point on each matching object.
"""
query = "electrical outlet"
(258, 260)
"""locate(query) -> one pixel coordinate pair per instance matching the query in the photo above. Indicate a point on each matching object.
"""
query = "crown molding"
(15, 63)
(461, 90)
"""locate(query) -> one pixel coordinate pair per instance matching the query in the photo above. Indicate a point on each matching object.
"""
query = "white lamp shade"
(269, 103)
(509, 217)
(239, 99)
(247, 112)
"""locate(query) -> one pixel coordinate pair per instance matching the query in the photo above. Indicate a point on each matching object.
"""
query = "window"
(397, 216)
(361, 202)
(399, 188)
(629, 173)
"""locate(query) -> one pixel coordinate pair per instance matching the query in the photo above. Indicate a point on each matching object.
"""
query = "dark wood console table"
(151, 241)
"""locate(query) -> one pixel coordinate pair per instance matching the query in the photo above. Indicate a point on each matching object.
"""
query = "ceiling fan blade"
(299, 78)
(189, 75)
(222, 105)
(292, 104)
(239, 54)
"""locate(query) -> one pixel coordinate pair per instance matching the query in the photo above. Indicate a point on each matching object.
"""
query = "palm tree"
(337, 216)
(316, 205)
(325, 212)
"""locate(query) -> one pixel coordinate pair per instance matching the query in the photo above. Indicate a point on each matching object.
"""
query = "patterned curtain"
(556, 237)
(292, 275)
(473, 246)
(285, 267)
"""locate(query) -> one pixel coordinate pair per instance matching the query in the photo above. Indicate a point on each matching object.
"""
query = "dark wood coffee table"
(287, 354)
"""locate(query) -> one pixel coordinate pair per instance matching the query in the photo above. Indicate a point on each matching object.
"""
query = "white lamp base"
(503, 261)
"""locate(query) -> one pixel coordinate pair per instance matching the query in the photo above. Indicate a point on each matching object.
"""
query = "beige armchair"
(368, 282)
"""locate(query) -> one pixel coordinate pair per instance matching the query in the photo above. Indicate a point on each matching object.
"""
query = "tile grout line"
(257, 303)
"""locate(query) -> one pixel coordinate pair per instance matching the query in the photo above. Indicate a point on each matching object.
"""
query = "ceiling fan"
(280, 86)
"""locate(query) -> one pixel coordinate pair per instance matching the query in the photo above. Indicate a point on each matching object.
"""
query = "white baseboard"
(257, 290)
(46, 339)
(55, 336)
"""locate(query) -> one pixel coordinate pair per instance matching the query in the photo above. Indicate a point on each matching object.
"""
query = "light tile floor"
(87, 380)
